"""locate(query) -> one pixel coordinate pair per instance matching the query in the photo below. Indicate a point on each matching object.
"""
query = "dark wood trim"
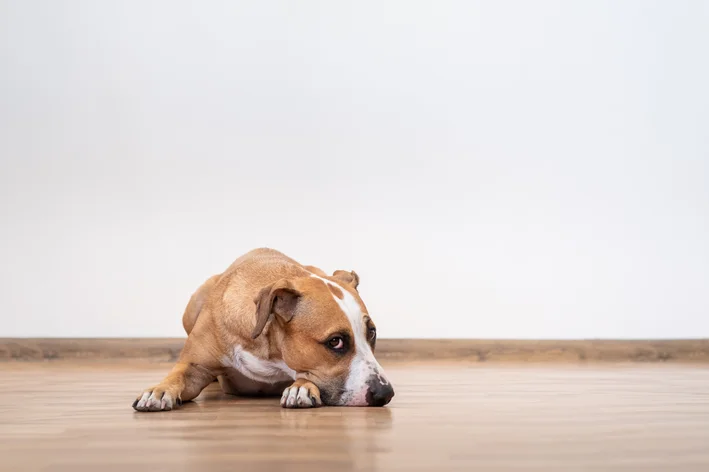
(480, 350)
(389, 350)
(50, 349)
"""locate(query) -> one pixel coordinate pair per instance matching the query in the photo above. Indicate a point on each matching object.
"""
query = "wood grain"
(422, 350)
(70, 417)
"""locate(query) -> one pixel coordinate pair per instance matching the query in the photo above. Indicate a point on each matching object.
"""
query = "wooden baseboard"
(390, 350)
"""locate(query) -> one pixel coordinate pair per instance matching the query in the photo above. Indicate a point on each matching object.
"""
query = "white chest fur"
(258, 369)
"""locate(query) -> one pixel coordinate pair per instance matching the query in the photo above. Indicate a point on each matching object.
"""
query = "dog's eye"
(371, 333)
(336, 343)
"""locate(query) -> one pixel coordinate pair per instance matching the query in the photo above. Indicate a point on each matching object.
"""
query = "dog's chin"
(329, 397)
(356, 399)
(344, 398)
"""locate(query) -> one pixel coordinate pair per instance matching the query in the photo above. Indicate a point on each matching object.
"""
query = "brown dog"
(270, 326)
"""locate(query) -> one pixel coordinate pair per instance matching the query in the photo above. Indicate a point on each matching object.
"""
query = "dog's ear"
(279, 298)
(348, 278)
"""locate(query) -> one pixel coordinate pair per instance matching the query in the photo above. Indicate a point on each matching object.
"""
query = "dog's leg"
(196, 368)
(302, 394)
(182, 384)
(197, 300)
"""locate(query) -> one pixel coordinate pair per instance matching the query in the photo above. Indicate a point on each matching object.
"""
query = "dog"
(269, 326)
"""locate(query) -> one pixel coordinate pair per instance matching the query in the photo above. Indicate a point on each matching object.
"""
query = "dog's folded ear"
(279, 298)
(347, 277)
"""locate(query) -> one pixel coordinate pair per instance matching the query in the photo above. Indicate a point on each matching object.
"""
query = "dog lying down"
(271, 326)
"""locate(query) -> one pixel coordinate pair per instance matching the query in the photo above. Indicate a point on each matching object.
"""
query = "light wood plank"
(78, 417)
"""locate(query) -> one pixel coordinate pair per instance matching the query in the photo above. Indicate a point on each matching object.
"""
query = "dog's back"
(242, 279)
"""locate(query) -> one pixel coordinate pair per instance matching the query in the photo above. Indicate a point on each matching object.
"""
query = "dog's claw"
(302, 394)
(155, 400)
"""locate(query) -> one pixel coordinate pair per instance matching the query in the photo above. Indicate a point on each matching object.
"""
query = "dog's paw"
(302, 394)
(156, 399)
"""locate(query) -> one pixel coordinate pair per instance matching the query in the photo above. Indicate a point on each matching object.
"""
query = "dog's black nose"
(379, 395)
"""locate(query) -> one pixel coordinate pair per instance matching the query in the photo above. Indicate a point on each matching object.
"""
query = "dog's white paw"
(302, 394)
(156, 400)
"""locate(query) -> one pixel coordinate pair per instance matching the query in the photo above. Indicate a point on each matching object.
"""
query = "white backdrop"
(504, 169)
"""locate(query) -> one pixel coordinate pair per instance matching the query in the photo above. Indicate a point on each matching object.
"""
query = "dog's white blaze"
(257, 369)
(364, 364)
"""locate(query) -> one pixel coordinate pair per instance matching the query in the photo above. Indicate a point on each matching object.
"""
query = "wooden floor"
(68, 417)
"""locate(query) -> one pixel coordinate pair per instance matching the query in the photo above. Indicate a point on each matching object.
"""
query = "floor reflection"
(259, 434)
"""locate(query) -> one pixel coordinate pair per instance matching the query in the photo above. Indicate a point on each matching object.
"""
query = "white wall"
(505, 169)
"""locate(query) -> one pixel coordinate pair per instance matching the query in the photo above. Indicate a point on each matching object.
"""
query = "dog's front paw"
(156, 399)
(302, 394)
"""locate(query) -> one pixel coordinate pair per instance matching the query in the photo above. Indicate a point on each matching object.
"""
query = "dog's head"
(326, 336)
